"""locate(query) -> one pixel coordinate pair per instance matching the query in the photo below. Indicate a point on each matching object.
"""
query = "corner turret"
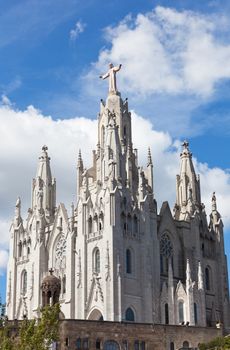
(44, 188)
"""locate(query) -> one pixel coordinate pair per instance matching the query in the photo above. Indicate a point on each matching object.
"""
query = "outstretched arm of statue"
(116, 69)
(106, 75)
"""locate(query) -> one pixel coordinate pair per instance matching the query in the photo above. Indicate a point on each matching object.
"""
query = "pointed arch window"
(166, 314)
(78, 344)
(166, 252)
(95, 219)
(143, 345)
(186, 344)
(20, 249)
(195, 313)
(129, 315)
(24, 282)
(207, 278)
(181, 311)
(90, 225)
(98, 344)
(128, 261)
(102, 136)
(135, 224)
(97, 261)
(64, 284)
(111, 345)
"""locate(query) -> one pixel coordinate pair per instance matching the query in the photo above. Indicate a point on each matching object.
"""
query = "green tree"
(220, 343)
(6, 342)
(33, 334)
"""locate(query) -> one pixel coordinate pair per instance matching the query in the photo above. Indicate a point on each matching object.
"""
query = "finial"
(214, 197)
(45, 148)
(18, 203)
(149, 156)
(51, 271)
(214, 201)
(79, 154)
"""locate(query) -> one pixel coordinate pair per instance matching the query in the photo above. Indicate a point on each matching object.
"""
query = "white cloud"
(23, 133)
(78, 29)
(167, 51)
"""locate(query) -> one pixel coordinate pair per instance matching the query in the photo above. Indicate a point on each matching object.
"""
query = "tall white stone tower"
(117, 246)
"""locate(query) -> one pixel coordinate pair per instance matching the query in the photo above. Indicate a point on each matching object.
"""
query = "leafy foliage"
(220, 343)
(33, 334)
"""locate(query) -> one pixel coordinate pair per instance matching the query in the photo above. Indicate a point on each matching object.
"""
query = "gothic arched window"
(142, 345)
(102, 136)
(208, 278)
(129, 315)
(97, 261)
(135, 224)
(128, 261)
(136, 345)
(90, 225)
(95, 220)
(172, 346)
(181, 311)
(24, 282)
(186, 344)
(101, 221)
(166, 314)
(195, 313)
(64, 284)
(59, 254)
(78, 344)
(20, 249)
(166, 252)
(111, 345)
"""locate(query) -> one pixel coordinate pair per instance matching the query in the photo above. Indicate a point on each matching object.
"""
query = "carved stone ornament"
(60, 253)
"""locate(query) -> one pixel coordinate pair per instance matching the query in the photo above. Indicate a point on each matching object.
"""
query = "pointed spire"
(150, 169)
(44, 187)
(188, 187)
(80, 170)
(44, 171)
(200, 277)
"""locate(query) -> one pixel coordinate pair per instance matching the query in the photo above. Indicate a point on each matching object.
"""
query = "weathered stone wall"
(157, 337)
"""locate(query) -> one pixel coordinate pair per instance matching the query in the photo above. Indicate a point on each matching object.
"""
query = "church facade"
(116, 257)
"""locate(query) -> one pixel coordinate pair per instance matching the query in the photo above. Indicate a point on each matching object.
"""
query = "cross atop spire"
(51, 271)
(185, 144)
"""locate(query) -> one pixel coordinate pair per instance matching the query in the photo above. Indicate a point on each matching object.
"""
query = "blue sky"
(176, 74)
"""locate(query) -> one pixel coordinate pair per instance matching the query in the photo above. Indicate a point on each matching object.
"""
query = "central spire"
(188, 187)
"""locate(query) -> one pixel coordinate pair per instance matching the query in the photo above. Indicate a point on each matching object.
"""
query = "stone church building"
(117, 256)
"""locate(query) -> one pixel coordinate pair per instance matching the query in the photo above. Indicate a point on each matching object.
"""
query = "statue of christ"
(111, 74)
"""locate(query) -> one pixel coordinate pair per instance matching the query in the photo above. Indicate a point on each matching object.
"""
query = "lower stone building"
(103, 335)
